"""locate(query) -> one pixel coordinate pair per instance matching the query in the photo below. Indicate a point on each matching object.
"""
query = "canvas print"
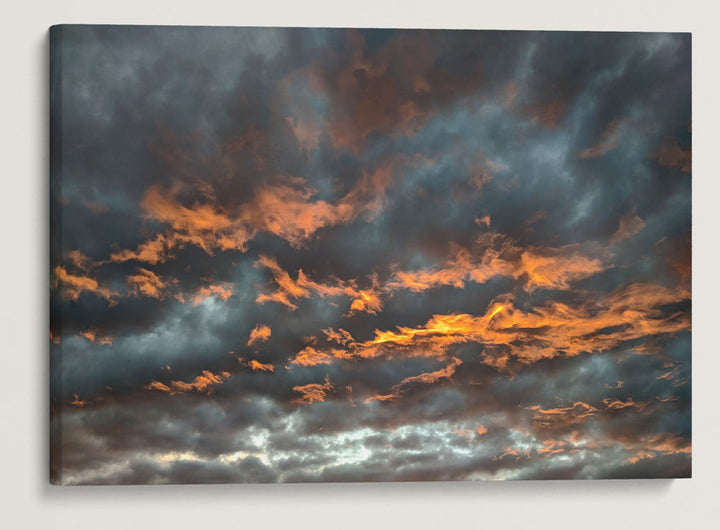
(339, 255)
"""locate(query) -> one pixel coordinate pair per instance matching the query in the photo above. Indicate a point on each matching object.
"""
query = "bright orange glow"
(264, 367)
(285, 209)
(547, 268)
(340, 336)
(556, 417)
(616, 404)
(89, 335)
(260, 333)
(310, 356)
(551, 330)
(557, 268)
(157, 385)
(201, 383)
(313, 392)
(551, 447)
(367, 300)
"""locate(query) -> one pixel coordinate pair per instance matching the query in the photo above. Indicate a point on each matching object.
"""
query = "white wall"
(27, 500)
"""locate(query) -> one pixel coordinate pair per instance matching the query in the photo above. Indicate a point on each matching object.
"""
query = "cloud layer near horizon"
(370, 255)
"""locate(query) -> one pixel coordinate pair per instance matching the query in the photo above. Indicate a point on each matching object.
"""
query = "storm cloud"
(290, 255)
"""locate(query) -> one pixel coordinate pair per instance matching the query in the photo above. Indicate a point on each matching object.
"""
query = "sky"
(338, 255)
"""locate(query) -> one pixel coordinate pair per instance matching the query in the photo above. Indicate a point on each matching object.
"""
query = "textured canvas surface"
(300, 255)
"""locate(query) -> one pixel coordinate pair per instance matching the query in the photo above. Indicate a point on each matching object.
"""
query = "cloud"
(260, 333)
(542, 268)
(285, 209)
(674, 156)
(289, 290)
(310, 356)
(544, 332)
(427, 378)
(313, 392)
(80, 260)
(257, 365)
(616, 404)
(630, 225)
(146, 283)
(202, 383)
(75, 284)
(430, 225)
(222, 291)
(564, 416)
(610, 140)
(557, 268)
(93, 337)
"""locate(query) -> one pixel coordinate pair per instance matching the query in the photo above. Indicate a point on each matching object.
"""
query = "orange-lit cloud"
(152, 251)
(541, 268)
(147, 283)
(640, 455)
(616, 404)
(552, 447)
(93, 337)
(77, 402)
(618, 385)
(340, 336)
(471, 434)
(285, 209)
(509, 451)
(425, 378)
(157, 385)
(494, 262)
(367, 301)
(260, 333)
(311, 356)
(630, 224)
(80, 260)
(74, 285)
(434, 377)
(289, 290)
(544, 332)
(655, 445)
(485, 220)
(557, 268)
(201, 383)
(222, 291)
(668, 444)
(258, 366)
(313, 392)
(562, 416)
(672, 373)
